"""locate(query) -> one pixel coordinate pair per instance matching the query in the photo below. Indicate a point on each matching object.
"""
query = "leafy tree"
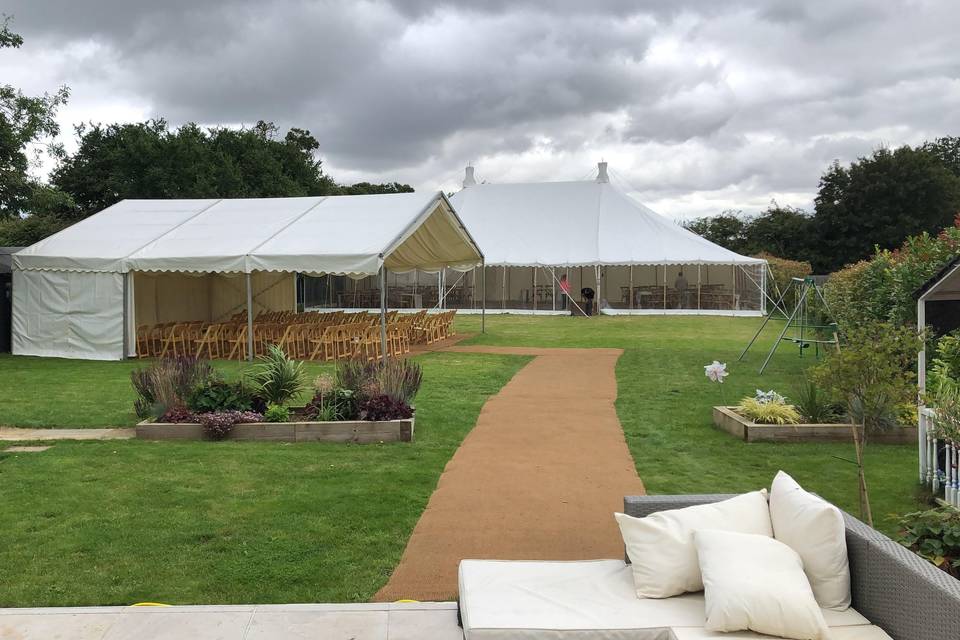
(727, 229)
(781, 231)
(151, 160)
(24, 121)
(880, 200)
(947, 150)
(361, 188)
(871, 376)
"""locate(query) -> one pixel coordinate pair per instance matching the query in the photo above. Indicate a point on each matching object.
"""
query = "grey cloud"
(750, 97)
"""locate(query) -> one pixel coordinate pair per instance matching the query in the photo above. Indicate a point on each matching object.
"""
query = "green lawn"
(230, 522)
(664, 406)
(50, 392)
(121, 522)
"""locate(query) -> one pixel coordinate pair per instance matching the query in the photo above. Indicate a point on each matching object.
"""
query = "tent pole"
(383, 312)
(699, 285)
(763, 290)
(534, 289)
(630, 290)
(664, 289)
(126, 316)
(503, 289)
(483, 298)
(733, 303)
(249, 318)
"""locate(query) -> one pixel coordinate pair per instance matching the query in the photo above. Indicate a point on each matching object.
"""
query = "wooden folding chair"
(173, 341)
(238, 345)
(209, 340)
(143, 340)
(325, 341)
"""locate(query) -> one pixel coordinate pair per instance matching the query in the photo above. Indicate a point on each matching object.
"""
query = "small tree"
(872, 376)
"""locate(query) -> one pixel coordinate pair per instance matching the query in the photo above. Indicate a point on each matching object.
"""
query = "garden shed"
(938, 307)
(82, 292)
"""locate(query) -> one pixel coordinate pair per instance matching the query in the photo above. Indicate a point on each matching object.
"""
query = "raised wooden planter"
(726, 419)
(357, 431)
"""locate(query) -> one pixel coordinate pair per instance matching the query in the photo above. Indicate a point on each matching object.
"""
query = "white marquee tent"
(636, 260)
(82, 292)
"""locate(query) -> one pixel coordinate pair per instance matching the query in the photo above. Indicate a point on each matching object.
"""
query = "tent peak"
(602, 176)
(468, 179)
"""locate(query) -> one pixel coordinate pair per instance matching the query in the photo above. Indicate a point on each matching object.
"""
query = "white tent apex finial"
(602, 176)
(468, 179)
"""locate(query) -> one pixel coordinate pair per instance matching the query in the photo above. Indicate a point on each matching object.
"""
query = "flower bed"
(727, 419)
(356, 431)
(365, 401)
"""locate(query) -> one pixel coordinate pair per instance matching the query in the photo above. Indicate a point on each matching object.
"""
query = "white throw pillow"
(756, 583)
(660, 546)
(813, 528)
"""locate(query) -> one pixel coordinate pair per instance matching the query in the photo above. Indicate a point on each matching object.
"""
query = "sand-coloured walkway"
(538, 477)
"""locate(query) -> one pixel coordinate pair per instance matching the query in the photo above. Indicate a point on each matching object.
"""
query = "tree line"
(141, 160)
(876, 202)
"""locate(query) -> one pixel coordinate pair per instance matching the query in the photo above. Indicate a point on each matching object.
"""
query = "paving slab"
(363, 621)
(25, 449)
(17, 434)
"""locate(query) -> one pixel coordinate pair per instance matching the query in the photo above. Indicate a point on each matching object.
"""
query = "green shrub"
(935, 535)
(278, 378)
(784, 271)
(399, 378)
(335, 404)
(276, 413)
(167, 383)
(873, 373)
(774, 412)
(217, 395)
(881, 289)
(815, 405)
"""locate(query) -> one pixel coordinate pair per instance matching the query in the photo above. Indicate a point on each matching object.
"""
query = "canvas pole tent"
(88, 287)
(641, 262)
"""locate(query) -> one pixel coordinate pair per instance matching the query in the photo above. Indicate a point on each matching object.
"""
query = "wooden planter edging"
(726, 419)
(357, 431)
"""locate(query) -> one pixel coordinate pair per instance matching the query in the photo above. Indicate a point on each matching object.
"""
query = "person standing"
(564, 291)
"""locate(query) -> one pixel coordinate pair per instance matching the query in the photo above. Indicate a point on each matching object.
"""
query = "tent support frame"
(383, 311)
(249, 317)
(483, 308)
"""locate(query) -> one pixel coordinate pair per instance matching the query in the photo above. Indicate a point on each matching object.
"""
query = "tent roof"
(5, 258)
(337, 234)
(576, 224)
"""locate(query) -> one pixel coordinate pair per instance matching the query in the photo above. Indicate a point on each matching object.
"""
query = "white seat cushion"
(582, 600)
(858, 632)
(660, 546)
(756, 583)
(813, 528)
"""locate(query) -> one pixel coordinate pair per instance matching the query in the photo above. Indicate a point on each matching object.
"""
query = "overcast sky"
(698, 105)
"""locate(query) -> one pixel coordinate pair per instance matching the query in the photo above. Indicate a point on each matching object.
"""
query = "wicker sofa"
(894, 592)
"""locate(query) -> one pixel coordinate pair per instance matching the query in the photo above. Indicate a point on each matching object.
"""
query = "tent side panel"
(171, 297)
(272, 291)
(68, 314)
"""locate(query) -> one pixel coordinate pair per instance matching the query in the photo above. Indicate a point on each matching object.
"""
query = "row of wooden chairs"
(315, 336)
(431, 328)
